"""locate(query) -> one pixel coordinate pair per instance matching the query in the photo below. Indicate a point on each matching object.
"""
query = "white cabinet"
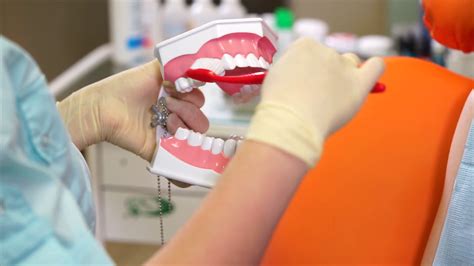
(123, 185)
(133, 217)
(126, 196)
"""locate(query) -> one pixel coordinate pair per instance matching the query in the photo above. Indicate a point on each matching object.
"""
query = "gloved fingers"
(195, 96)
(189, 113)
(352, 58)
(304, 43)
(174, 122)
(370, 72)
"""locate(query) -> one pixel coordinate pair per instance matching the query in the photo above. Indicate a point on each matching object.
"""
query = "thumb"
(152, 68)
(148, 73)
(370, 72)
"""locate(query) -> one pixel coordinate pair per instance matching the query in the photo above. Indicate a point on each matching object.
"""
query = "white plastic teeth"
(264, 63)
(228, 62)
(250, 89)
(186, 84)
(251, 60)
(195, 139)
(240, 61)
(214, 145)
(229, 147)
(247, 92)
(207, 143)
(217, 146)
(213, 64)
(181, 133)
(239, 142)
(219, 66)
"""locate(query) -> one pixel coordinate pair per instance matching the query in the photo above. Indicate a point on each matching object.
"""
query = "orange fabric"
(451, 22)
(374, 195)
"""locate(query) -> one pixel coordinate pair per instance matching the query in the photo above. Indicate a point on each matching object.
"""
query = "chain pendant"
(160, 212)
(160, 206)
(169, 192)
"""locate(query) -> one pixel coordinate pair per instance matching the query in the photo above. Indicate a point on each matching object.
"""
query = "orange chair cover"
(375, 192)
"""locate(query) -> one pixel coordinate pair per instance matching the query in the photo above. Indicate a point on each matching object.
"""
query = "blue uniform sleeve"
(46, 208)
(456, 245)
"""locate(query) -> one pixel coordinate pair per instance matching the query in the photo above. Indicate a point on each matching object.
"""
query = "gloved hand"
(117, 110)
(309, 93)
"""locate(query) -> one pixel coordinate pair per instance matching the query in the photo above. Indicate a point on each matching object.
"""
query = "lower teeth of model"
(215, 145)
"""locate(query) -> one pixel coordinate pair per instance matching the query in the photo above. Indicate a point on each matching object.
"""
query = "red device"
(206, 75)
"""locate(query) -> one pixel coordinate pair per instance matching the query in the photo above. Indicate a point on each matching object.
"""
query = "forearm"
(238, 217)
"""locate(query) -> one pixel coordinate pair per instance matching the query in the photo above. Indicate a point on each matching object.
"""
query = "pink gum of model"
(194, 155)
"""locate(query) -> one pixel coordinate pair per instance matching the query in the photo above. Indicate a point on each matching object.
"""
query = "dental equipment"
(232, 50)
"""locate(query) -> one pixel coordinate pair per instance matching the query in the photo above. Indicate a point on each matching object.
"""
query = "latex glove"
(309, 93)
(117, 110)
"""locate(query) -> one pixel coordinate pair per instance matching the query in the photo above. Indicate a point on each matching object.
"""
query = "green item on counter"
(284, 18)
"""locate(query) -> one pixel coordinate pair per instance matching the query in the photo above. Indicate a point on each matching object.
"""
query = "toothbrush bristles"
(213, 65)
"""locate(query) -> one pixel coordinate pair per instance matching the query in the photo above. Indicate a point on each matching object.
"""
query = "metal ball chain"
(162, 235)
(160, 205)
(169, 192)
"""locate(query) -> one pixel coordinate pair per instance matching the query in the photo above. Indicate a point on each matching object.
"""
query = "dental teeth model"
(193, 158)
(230, 51)
(227, 48)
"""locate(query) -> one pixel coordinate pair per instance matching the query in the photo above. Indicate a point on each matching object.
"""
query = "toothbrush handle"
(205, 75)
(254, 78)
(257, 78)
(378, 88)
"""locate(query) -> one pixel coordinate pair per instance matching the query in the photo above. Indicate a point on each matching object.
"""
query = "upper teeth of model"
(212, 64)
(219, 66)
(231, 62)
(214, 145)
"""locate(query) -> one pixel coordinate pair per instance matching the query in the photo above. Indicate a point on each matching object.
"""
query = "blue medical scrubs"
(47, 214)
(456, 245)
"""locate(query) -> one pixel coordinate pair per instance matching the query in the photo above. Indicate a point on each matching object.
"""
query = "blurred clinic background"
(77, 42)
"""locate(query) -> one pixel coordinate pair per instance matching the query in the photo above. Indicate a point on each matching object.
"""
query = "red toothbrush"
(206, 75)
